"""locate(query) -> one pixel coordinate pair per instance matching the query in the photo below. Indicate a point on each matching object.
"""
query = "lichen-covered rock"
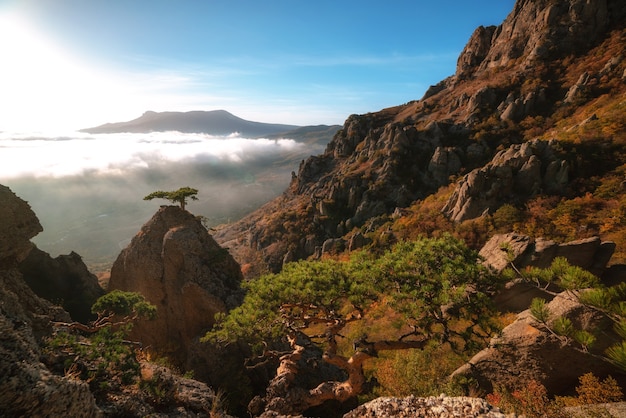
(429, 407)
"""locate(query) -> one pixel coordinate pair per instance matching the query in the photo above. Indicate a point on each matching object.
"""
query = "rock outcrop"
(64, 280)
(526, 350)
(177, 266)
(27, 387)
(513, 175)
(538, 31)
(18, 224)
(591, 254)
(32, 384)
(439, 406)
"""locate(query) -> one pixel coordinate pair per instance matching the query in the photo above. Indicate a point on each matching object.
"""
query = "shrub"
(531, 401)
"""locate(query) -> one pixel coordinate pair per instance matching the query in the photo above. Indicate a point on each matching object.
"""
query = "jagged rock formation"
(472, 126)
(64, 280)
(536, 31)
(177, 266)
(513, 175)
(27, 387)
(526, 350)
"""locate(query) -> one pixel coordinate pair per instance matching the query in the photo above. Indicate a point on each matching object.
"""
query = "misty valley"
(87, 189)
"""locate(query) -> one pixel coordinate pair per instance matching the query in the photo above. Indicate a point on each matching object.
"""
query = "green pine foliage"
(539, 310)
(564, 275)
(434, 284)
(179, 196)
(127, 304)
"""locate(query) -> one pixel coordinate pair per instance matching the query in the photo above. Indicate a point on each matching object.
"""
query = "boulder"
(432, 406)
(523, 251)
(177, 266)
(526, 350)
(591, 254)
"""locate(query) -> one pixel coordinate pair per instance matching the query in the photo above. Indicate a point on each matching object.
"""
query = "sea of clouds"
(87, 189)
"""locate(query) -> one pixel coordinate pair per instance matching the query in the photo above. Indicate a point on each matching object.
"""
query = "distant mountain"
(214, 122)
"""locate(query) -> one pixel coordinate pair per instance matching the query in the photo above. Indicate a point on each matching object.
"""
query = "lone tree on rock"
(179, 196)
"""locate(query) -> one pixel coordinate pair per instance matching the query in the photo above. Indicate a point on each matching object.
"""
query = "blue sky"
(70, 64)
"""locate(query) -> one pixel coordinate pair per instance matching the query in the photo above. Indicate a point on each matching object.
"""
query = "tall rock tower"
(177, 266)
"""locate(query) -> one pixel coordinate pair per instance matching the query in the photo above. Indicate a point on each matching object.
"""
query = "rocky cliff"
(493, 130)
(27, 387)
(177, 266)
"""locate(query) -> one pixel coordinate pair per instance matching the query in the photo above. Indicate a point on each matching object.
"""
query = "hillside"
(215, 122)
(551, 76)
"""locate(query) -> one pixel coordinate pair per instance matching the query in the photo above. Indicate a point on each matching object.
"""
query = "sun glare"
(43, 85)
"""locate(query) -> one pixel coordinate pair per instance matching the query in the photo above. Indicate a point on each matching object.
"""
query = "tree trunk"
(284, 397)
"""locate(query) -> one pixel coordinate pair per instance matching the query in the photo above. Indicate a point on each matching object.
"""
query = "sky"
(72, 64)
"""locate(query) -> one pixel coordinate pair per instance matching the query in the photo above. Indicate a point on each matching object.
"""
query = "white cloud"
(31, 155)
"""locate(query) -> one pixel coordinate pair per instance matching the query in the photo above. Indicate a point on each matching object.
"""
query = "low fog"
(87, 190)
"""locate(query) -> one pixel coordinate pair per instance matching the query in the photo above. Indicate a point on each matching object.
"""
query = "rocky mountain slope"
(534, 113)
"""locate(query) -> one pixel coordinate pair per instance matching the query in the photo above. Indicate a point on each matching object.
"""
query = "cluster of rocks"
(27, 387)
(513, 175)
(527, 350)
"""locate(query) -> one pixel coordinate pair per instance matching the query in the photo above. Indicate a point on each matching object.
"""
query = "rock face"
(27, 388)
(177, 266)
(64, 280)
(512, 175)
(18, 224)
(537, 30)
(527, 351)
(591, 254)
